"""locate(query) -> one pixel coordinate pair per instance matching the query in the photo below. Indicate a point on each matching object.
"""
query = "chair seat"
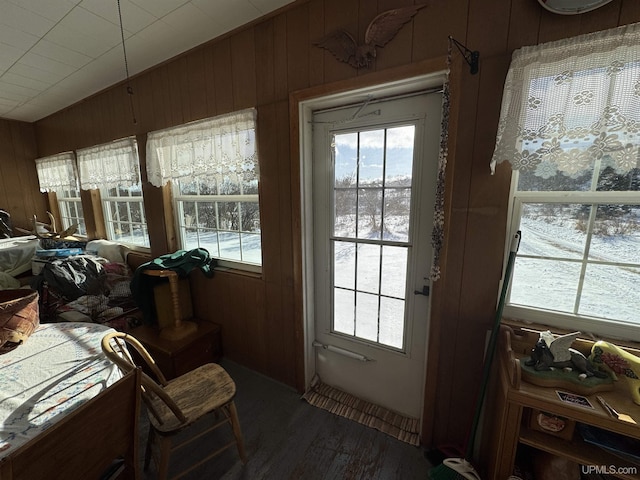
(197, 393)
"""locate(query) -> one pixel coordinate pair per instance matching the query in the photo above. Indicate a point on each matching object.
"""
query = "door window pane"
(367, 316)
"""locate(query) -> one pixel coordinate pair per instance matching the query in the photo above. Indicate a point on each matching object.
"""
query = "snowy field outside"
(609, 291)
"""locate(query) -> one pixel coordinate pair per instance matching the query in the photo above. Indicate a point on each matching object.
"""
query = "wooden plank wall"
(261, 65)
(19, 190)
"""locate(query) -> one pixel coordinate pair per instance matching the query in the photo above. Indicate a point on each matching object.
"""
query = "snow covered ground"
(609, 291)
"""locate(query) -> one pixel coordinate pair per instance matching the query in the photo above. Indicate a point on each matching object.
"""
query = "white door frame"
(305, 114)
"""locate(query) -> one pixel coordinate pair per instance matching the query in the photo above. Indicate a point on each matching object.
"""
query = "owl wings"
(382, 29)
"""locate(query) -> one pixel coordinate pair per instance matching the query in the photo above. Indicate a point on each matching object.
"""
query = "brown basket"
(19, 317)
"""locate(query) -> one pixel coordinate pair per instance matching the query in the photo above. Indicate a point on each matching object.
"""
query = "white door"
(374, 177)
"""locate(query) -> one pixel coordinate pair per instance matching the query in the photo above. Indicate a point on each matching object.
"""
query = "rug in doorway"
(345, 405)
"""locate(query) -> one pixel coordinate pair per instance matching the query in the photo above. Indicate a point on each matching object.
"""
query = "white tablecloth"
(16, 254)
(57, 369)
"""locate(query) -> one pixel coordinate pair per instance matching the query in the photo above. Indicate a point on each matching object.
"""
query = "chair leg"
(165, 452)
(147, 451)
(237, 432)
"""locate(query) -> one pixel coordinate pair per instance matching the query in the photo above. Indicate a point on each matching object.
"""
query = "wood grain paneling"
(262, 65)
(19, 194)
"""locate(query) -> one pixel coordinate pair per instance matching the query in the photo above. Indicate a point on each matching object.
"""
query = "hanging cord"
(126, 67)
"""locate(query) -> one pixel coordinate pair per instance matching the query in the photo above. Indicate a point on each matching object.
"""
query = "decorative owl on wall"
(382, 29)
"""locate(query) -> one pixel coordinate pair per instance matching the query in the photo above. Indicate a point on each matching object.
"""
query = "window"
(58, 174)
(70, 206)
(570, 127)
(213, 168)
(113, 168)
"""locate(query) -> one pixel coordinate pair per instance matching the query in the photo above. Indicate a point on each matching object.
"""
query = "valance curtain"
(570, 103)
(109, 165)
(211, 150)
(57, 172)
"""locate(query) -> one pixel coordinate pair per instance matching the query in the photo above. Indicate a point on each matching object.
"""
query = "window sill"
(527, 325)
(237, 271)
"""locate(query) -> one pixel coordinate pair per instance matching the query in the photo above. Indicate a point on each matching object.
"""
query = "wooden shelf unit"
(510, 400)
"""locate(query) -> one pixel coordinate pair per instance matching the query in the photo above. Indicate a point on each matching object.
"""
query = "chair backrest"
(116, 347)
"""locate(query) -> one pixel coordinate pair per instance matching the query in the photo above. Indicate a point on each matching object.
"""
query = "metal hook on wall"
(472, 58)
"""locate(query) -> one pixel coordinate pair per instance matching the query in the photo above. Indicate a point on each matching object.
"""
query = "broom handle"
(486, 369)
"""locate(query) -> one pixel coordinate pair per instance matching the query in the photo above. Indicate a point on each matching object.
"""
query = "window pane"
(371, 158)
(228, 216)
(611, 292)
(396, 214)
(612, 181)
(554, 230)
(368, 268)
(391, 322)
(250, 216)
(345, 213)
(369, 213)
(616, 234)
(344, 264)
(545, 284)
(346, 159)
(394, 271)
(251, 249)
(528, 181)
(206, 215)
(207, 239)
(367, 316)
(344, 309)
(399, 161)
(229, 245)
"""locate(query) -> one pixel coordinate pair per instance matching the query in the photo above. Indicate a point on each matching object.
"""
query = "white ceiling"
(54, 53)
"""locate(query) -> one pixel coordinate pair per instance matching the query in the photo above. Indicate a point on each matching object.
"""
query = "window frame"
(210, 162)
(64, 201)
(178, 201)
(568, 321)
(106, 200)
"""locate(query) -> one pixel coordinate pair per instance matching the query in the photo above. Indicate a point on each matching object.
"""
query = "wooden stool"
(180, 328)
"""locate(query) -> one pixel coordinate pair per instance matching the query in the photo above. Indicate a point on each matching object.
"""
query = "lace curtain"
(570, 103)
(216, 150)
(109, 165)
(57, 172)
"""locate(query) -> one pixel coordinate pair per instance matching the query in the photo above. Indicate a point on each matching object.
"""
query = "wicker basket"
(19, 317)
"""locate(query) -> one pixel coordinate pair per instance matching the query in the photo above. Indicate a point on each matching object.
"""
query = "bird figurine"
(382, 29)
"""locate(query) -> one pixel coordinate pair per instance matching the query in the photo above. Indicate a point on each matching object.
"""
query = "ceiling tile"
(54, 10)
(36, 72)
(159, 8)
(61, 54)
(8, 56)
(20, 39)
(134, 18)
(47, 65)
(36, 84)
(21, 19)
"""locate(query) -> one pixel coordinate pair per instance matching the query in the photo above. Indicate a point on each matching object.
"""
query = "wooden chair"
(176, 404)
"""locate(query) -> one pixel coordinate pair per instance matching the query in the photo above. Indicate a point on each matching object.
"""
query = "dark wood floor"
(288, 439)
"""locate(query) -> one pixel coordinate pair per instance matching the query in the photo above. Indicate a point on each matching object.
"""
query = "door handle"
(424, 291)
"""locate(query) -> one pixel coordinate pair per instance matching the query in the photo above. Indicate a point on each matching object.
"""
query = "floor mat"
(346, 405)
